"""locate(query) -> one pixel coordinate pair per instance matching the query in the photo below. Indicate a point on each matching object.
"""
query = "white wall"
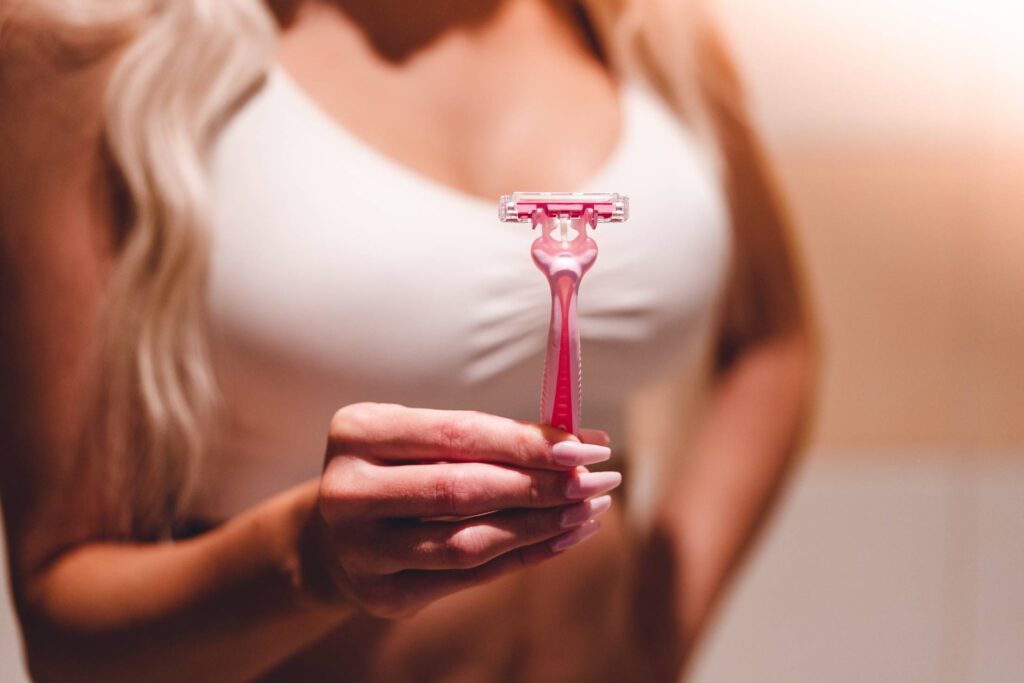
(888, 570)
(11, 667)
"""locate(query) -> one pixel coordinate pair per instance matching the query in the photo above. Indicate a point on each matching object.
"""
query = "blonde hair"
(185, 66)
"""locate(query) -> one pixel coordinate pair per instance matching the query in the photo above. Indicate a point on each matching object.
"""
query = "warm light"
(883, 68)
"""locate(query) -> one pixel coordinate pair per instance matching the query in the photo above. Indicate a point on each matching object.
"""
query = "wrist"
(304, 556)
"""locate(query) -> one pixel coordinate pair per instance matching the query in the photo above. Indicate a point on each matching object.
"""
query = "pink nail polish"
(587, 484)
(572, 453)
(580, 513)
(577, 535)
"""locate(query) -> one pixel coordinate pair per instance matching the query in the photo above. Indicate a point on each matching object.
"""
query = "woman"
(178, 199)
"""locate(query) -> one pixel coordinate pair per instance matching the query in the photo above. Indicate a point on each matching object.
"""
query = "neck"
(397, 30)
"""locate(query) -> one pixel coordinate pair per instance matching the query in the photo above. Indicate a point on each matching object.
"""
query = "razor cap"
(519, 207)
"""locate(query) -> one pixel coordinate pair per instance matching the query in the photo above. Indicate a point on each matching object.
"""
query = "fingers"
(519, 493)
(408, 591)
(353, 488)
(594, 436)
(396, 433)
(399, 545)
(445, 582)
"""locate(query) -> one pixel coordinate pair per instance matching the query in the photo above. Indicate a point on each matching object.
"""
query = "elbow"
(791, 354)
(49, 655)
(43, 660)
(783, 369)
(805, 345)
(790, 338)
(54, 647)
(801, 350)
(41, 669)
(64, 658)
(794, 358)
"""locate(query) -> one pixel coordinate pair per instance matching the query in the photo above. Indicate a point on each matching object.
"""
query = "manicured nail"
(587, 484)
(581, 512)
(577, 535)
(572, 453)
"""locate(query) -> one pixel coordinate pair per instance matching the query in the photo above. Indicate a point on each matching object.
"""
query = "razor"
(563, 252)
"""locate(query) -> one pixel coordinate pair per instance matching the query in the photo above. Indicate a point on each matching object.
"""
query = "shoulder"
(50, 100)
(53, 171)
(713, 48)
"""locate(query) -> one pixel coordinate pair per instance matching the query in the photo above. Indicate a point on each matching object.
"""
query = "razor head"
(520, 207)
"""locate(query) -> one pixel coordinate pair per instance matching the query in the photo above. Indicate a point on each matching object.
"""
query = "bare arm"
(230, 604)
(743, 453)
(760, 400)
(227, 605)
(767, 365)
(89, 608)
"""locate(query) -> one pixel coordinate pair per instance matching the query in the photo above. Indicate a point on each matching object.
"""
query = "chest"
(339, 275)
(387, 281)
(510, 99)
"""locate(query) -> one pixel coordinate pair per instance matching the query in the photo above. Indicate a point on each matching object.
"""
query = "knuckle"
(452, 430)
(350, 423)
(523, 445)
(346, 489)
(458, 430)
(332, 493)
(465, 548)
(336, 477)
(450, 492)
(536, 490)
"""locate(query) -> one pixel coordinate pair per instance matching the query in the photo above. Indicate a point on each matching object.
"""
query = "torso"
(317, 301)
(464, 108)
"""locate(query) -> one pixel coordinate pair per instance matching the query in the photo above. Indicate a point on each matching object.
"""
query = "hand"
(416, 504)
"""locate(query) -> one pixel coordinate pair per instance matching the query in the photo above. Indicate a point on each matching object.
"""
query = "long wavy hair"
(183, 67)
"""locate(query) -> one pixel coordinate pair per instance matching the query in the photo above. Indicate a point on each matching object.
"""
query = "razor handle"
(563, 252)
(561, 390)
(564, 261)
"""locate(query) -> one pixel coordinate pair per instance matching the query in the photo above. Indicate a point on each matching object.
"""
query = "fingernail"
(573, 453)
(577, 535)
(587, 484)
(581, 512)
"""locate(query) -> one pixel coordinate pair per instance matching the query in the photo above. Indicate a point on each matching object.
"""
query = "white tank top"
(339, 275)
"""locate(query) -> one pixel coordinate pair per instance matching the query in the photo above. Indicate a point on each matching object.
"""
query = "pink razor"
(564, 252)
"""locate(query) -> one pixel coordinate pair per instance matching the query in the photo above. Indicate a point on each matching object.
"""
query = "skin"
(343, 576)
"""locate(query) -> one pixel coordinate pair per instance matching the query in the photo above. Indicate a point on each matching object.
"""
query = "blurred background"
(897, 127)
